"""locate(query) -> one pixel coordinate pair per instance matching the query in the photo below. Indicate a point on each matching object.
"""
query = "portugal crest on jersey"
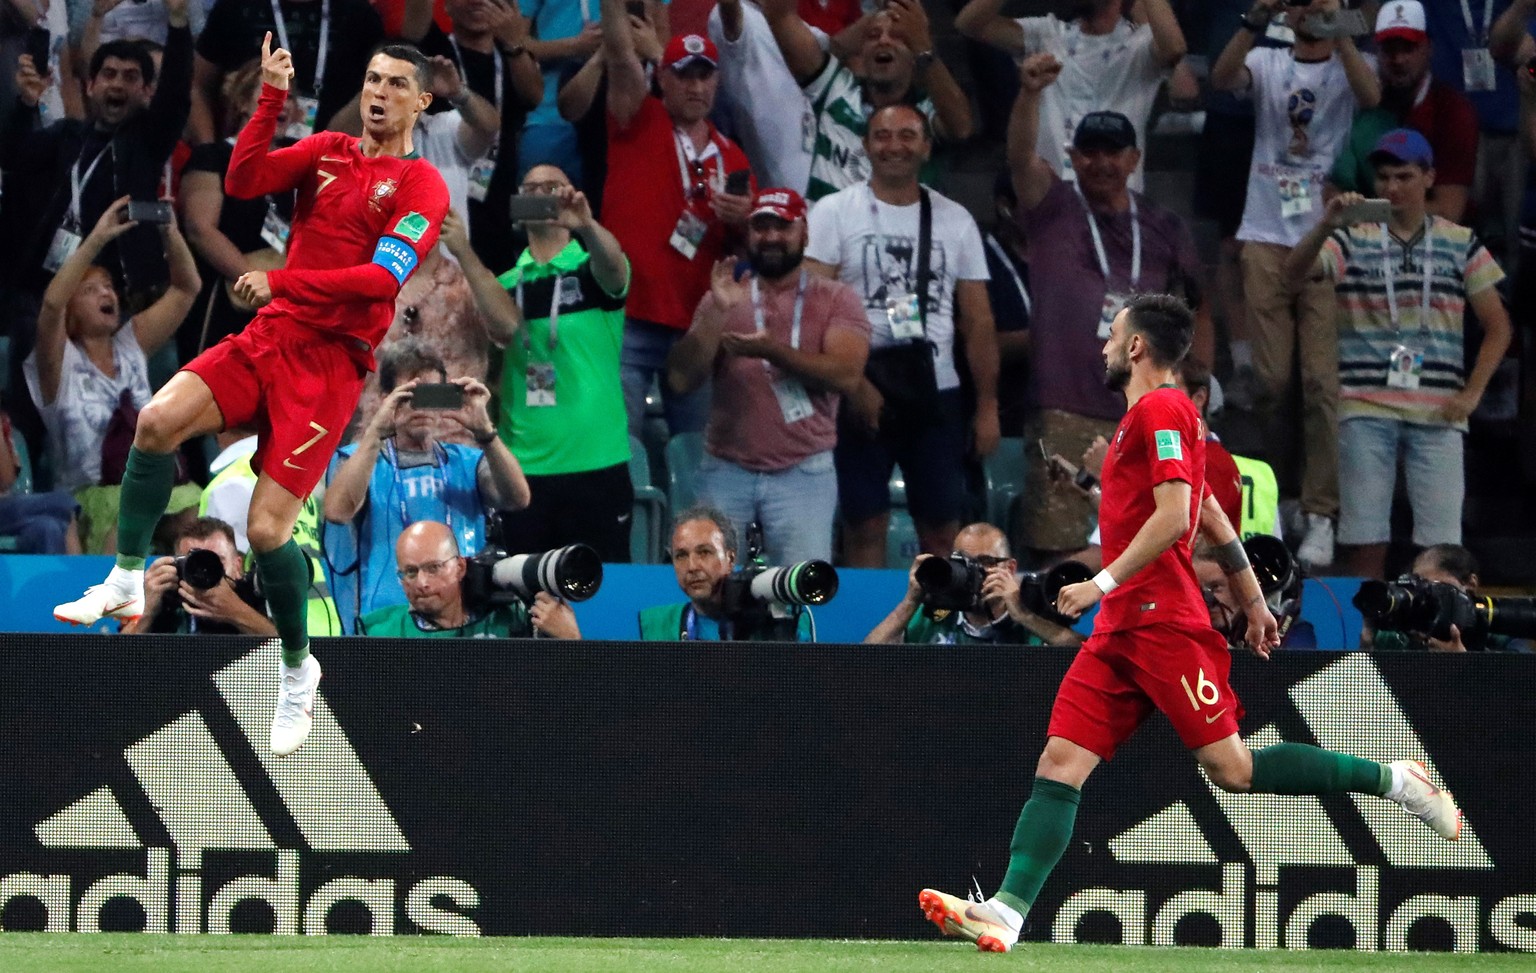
(382, 190)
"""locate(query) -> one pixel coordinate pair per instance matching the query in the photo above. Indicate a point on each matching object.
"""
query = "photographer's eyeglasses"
(540, 188)
(431, 569)
(985, 560)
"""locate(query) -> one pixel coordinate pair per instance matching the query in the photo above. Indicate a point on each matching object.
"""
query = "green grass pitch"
(134, 952)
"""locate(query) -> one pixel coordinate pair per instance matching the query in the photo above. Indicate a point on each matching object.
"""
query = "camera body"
(203, 569)
(1429, 608)
(951, 583)
(1038, 589)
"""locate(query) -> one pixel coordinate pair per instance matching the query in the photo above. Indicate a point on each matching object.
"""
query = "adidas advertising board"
(516, 788)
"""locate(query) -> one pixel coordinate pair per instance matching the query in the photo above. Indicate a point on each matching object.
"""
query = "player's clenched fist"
(276, 66)
(253, 289)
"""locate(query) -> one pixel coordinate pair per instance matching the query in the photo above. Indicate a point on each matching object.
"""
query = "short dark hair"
(916, 112)
(1193, 375)
(401, 51)
(203, 528)
(1454, 560)
(1166, 322)
(714, 514)
(407, 356)
(124, 51)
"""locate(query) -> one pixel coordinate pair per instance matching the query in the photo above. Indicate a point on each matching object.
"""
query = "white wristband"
(1105, 581)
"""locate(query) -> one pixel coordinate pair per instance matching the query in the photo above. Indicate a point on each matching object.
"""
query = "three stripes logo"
(1289, 837)
(200, 801)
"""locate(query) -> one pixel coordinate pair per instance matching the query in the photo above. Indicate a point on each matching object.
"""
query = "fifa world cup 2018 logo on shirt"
(1301, 106)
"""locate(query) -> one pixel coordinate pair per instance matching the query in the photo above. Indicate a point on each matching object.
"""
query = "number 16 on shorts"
(1203, 692)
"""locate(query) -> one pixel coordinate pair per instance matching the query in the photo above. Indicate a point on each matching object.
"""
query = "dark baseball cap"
(1104, 130)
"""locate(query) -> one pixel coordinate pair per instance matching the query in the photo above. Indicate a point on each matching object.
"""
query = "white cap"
(1403, 19)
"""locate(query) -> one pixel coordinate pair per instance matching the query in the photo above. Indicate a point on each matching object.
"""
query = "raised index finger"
(266, 46)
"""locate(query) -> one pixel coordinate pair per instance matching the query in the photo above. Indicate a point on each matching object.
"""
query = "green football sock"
(1040, 837)
(1296, 768)
(284, 575)
(147, 482)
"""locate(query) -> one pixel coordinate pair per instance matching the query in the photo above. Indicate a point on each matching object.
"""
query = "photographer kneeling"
(755, 604)
(204, 589)
(978, 600)
(1441, 588)
(432, 571)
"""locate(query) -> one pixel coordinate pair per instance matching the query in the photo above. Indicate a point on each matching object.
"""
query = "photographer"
(1454, 565)
(431, 571)
(1279, 579)
(1000, 618)
(176, 600)
(704, 557)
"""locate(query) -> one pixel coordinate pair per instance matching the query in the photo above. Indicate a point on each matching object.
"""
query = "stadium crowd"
(729, 253)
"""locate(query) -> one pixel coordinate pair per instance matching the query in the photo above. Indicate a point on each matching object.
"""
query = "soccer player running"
(1152, 643)
(368, 210)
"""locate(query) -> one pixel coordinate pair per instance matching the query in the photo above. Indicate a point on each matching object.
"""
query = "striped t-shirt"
(840, 116)
(1460, 267)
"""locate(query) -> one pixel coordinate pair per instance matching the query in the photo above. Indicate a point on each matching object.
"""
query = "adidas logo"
(207, 811)
(1281, 836)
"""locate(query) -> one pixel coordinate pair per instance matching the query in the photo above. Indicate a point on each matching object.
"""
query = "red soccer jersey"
(1224, 480)
(1158, 440)
(360, 225)
(643, 200)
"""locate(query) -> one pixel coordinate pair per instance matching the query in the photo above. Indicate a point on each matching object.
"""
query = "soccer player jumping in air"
(1153, 645)
(368, 210)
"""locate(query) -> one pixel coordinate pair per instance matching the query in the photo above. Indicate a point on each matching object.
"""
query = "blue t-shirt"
(1497, 110)
(361, 555)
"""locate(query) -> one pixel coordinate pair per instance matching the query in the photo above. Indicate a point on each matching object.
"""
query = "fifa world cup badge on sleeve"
(412, 226)
(1168, 444)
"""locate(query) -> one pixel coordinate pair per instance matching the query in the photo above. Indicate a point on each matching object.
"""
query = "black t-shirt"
(239, 219)
(490, 229)
(233, 32)
(591, 136)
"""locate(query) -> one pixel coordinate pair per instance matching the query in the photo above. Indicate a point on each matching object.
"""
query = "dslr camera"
(1429, 609)
(203, 569)
(493, 577)
(765, 603)
(954, 584)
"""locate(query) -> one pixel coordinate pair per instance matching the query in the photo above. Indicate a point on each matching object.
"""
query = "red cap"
(786, 204)
(685, 49)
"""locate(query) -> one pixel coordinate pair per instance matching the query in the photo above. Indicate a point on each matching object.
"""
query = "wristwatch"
(517, 51)
(1263, 23)
(923, 60)
(459, 100)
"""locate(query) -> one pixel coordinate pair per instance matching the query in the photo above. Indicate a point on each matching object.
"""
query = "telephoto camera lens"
(806, 583)
(573, 573)
(200, 568)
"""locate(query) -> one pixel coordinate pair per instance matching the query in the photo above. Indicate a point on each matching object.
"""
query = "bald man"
(431, 571)
(1003, 621)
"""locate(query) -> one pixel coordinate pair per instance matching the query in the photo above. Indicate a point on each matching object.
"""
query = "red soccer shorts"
(1118, 678)
(297, 387)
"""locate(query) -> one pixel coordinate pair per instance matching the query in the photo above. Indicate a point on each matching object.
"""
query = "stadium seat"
(1005, 469)
(901, 544)
(23, 484)
(684, 451)
(645, 536)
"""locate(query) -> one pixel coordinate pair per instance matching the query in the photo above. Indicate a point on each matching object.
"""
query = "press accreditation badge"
(1405, 366)
(902, 315)
(688, 234)
(309, 114)
(274, 230)
(480, 173)
(540, 380)
(794, 400)
(1295, 192)
(1113, 305)
(66, 240)
(1477, 69)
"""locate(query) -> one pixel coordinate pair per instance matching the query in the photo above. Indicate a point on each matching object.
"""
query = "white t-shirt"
(437, 141)
(76, 420)
(874, 244)
(1099, 72)
(1304, 112)
(760, 102)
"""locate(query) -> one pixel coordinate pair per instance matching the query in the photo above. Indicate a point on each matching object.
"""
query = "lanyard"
(325, 39)
(586, 12)
(78, 182)
(1002, 256)
(1390, 272)
(685, 155)
(794, 330)
(1478, 34)
(688, 631)
(439, 463)
(1098, 241)
(554, 315)
(458, 56)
